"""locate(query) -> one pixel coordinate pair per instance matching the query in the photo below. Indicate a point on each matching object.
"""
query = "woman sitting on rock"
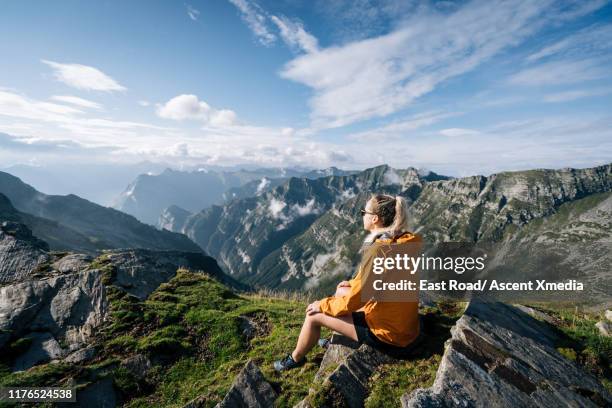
(391, 326)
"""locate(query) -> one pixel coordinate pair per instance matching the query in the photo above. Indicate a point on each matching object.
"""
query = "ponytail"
(393, 212)
(400, 221)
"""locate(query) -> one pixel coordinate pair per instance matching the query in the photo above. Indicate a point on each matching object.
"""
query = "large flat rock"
(499, 356)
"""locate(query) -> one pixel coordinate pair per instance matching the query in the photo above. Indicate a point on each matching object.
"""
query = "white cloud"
(458, 132)
(83, 77)
(309, 208)
(279, 210)
(294, 34)
(144, 103)
(184, 107)
(265, 182)
(561, 72)
(403, 127)
(378, 76)
(391, 177)
(255, 18)
(287, 131)
(276, 208)
(223, 117)
(575, 94)
(16, 105)
(52, 120)
(193, 13)
(127, 141)
(75, 100)
(595, 38)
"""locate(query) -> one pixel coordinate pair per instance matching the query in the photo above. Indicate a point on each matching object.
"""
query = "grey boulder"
(250, 389)
(498, 356)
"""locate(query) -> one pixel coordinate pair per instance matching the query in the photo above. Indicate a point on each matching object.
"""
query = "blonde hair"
(392, 211)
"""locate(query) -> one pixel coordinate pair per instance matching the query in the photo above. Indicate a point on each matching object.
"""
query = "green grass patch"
(391, 381)
(592, 350)
(196, 322)
(37, 376)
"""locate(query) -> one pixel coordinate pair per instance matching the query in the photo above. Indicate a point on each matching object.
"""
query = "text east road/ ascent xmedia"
(480, 285)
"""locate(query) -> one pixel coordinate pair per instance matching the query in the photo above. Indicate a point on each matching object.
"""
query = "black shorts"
(365, 336)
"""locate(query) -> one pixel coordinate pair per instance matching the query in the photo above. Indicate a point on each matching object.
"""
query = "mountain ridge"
(318, 240)
(73, 223)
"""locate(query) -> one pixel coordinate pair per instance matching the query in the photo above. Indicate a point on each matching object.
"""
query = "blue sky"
(457, 87)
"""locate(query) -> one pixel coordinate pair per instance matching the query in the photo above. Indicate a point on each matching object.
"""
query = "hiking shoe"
(324, 343)
(288, 363)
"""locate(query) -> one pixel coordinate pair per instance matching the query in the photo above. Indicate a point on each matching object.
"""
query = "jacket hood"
(387, 237)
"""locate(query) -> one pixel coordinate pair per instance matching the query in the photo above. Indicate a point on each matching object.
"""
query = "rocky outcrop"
(100, 394)
(140, 271)
(342, 378)
(605, 328)
(21, 253)
(498, 356)
(480, 208)
(139, 365)
(250, 389)
(173, 218)
(81, 355)
(57, 315)
(72, 263)
(58, 310)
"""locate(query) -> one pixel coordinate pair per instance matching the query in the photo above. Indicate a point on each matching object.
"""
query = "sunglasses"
(364, 212)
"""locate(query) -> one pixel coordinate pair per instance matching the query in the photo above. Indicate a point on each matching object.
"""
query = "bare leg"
(311, 331)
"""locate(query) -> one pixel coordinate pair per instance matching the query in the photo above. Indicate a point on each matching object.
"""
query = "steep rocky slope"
(72, 223)
(305, 233)
(148, 195)
(173, 218)
(480, 208)
(53, 312)
(249, 236)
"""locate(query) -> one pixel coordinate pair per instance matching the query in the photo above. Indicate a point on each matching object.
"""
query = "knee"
(313, 320)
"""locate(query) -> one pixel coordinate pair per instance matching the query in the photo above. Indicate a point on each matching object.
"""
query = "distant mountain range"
(305, 233)
(295, 230)
(148, 196)
(66, 178)
(75, 224)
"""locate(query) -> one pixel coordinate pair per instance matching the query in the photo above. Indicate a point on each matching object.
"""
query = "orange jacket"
(396, 323)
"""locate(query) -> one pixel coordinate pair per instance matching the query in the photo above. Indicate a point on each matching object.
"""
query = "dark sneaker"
(324, 343)
(288, 363)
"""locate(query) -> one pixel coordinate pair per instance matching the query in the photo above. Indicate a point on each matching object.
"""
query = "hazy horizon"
(95, 183)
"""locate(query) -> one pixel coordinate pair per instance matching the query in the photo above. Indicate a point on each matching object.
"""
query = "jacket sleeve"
(339, 306)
